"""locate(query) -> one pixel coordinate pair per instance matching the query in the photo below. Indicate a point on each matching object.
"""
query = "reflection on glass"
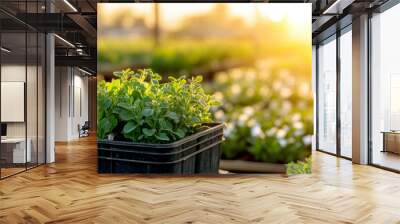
(41, 99)
(327, 96)
(345, 94)
(15, 151)
(385, 89)
(31, 100)
(22, 91)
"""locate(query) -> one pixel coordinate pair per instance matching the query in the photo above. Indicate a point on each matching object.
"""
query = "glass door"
(346, 92)
(14, 155)
(22, 78)
(385, 90)
(327, 95)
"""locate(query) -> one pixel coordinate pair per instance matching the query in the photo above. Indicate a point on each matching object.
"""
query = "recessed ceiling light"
(338, 6)
(70, 5)
(5, 50)
(64, 40)
(84, 71)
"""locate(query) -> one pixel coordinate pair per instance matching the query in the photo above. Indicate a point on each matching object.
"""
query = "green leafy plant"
(138, 106)
(301, 167)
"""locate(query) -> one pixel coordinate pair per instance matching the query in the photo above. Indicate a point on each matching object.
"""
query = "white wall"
(11, 73)
(33, 126)
(71, 87)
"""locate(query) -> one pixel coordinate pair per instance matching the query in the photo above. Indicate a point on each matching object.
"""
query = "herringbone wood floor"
(70, 191)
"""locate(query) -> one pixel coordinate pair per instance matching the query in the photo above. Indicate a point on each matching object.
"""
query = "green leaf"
(147, 112)
(162, 136)
(126, 115)
(164, 105)
(106, 126)
(173, 116)
(129, 127)
(106, 103)
(180, 133)
(125, 106)
(117, 74)
(196, 119)
(148, 132)
(165, 124)
(199, 78)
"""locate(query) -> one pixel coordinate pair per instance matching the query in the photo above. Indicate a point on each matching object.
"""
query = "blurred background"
(255, 58)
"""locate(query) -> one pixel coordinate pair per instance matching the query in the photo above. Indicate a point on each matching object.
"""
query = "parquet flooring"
(70, 191)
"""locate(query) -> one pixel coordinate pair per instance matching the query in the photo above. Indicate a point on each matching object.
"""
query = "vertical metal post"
(338, 77)
(317, 97)
(360, 89)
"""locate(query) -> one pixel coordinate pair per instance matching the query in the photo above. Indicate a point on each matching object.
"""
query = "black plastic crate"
(198, 153)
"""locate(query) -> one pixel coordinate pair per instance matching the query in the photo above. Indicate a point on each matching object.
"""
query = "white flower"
(281, 133)
(286, 92)
(305, 89)
(296, 117)
(235, 89)
(236, 74)
(220, 115)
(286, 106)
(282, 142)
(298, 125)
(218, 96)
(222, 77)
(271, 131)
(307, 140)
(250, 74)
(277, 85)
(298, 132)
(251, 122)
(248, 111)
(273, 105)
(286, 128)
(256, 131)
(242, 119)
(229, 127)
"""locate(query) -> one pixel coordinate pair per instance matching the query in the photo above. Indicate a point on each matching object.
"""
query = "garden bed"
(197, 153)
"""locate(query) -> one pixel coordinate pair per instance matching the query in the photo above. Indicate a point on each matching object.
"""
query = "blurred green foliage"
(268, 115)
(173, 57)
(301, 167)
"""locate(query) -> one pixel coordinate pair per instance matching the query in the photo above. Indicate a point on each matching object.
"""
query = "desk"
(15, 148)
(391, 141)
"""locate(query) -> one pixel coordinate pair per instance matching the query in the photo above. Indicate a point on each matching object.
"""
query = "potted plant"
(149, 126)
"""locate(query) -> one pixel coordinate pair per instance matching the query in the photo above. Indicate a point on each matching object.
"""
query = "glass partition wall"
(345, 91)
(22, 77)
(327, 95)
(385, 90)
(334, 105)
